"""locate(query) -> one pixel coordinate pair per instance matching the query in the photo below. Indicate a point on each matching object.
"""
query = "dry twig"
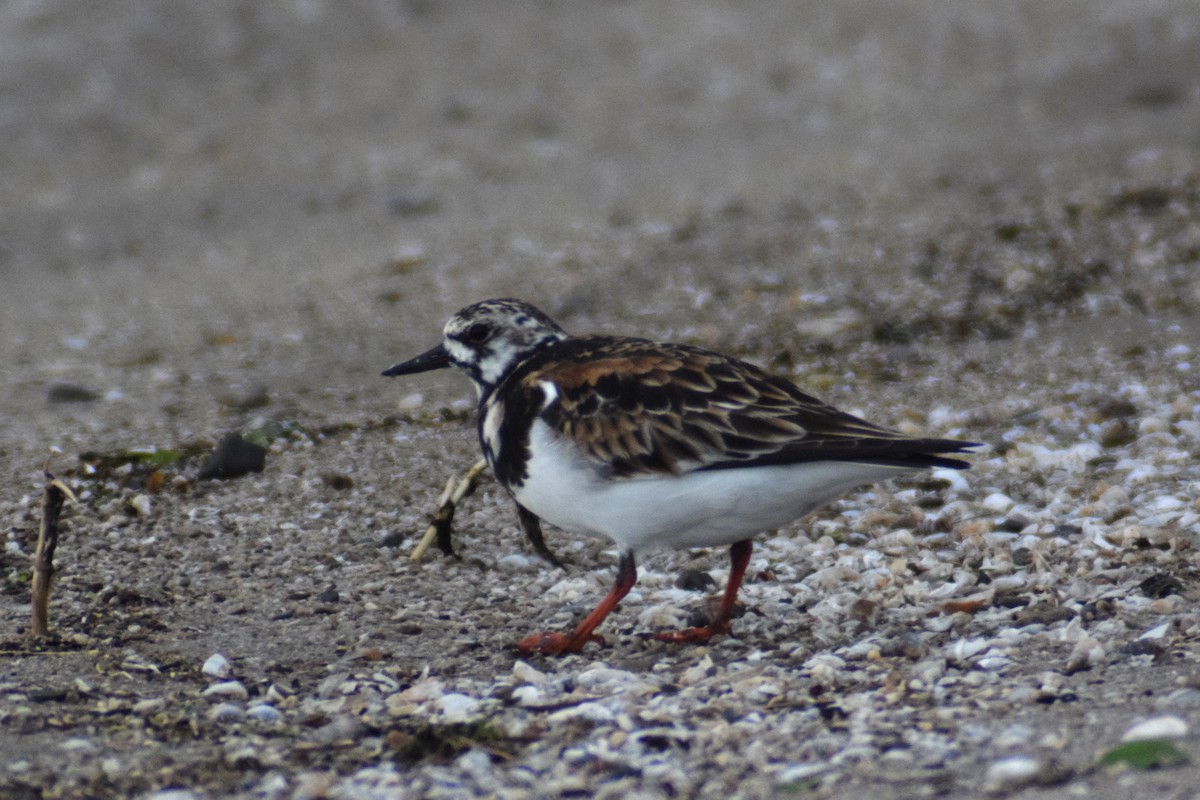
(54, 494)
(443, 517)
(452, 495)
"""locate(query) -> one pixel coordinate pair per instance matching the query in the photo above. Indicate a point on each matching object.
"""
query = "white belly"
(696, 509)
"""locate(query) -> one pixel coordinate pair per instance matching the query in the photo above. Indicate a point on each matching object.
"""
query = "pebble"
(151, 705)
(233, 457)
(141, 504)
(217, 666)
(410, 402)
(1010, 774)
(457, 707)
(172, 794)
(1165, 727)
(528, 695)
(594, 713)
(227, 689)
(998, 503)
(226, 713)
(517, 562)
(1157, 632)
(524, 673)
(264, 713)
(79, 745)
(957, 480)
(1087, 653)
(605, 679)
(965, 649)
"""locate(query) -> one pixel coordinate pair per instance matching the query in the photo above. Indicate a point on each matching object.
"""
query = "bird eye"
(478, 333)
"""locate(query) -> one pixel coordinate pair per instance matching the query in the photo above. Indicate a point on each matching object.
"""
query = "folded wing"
(646, 408)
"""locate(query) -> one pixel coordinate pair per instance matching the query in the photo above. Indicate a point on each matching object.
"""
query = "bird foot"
(692, 635)
(553, 644)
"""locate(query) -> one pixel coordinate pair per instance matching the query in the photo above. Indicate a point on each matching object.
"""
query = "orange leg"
(554, 643)
(739, 559)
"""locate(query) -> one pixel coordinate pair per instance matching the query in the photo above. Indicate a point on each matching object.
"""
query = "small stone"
(79, 745)
(1115, 409)
(1042, 613)
(393, 539)
(256, 397)
(695, 580)
(909, 645)
(593, 713)
(71, 393)
(516, 562)
(1161, 584)
(227, 689)
(457, 707)
(226, 713)
(1154, 425)
(141, 505)
(1117, 433)
(217, 666)
(264, 713)
(1157, 632)
(337, 481)
(605, 678)
(410, 402)
(1086, 654)
(965, 649)
(328, 595)
(1165, 727)
(524, 673)
(342, 728)
(998, 503)
(234, 457)
(1010, 774)
(798, 773)
(172, 794)
(151, 705)
(527, 695)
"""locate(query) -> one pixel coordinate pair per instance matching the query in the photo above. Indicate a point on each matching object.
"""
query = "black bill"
(437, 358)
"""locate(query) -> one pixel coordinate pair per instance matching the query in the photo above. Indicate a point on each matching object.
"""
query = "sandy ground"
(981, 222)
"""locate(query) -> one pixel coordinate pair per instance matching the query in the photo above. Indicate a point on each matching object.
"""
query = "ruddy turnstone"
(656, 445)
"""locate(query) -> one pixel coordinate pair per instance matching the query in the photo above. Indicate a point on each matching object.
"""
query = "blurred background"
(201, 192)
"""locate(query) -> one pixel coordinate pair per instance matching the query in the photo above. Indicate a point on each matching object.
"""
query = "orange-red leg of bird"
(573, 642)
(739, 559)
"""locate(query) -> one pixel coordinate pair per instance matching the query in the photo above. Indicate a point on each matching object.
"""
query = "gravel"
(981, 228)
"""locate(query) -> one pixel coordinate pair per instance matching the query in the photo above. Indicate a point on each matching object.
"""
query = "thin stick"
(431, 532)
(54, 493)
(454, 493)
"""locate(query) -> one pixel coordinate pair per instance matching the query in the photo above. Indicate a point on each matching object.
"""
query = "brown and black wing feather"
(649, 408)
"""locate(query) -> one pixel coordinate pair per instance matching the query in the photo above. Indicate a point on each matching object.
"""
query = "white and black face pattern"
(488, 339)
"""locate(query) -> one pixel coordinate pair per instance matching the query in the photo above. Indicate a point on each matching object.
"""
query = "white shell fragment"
(264, 713)
(457, 707)
(233, 690)
(1165, 727)
(1087, 653)
(226, 713)
(1010, 774)
(217, 666)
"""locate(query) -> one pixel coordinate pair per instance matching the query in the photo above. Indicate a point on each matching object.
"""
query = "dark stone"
(694, 580)
(233, 458)
(71, 393)
(1161, 585)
